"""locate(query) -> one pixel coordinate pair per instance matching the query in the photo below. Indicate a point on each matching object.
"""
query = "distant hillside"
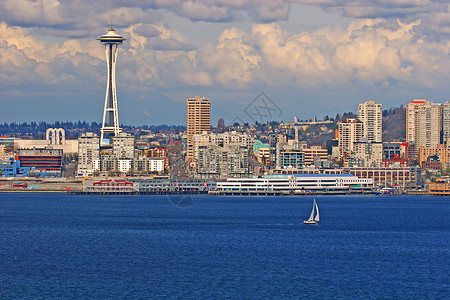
(394, 124)
(75, 129)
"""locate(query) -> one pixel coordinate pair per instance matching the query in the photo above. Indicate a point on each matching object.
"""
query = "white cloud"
(38, 11)
(368, 52)
(406, 48)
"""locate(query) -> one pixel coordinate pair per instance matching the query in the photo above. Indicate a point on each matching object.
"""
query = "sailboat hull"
(309, 222)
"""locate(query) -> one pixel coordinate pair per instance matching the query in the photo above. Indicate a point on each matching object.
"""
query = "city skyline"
(310, 59)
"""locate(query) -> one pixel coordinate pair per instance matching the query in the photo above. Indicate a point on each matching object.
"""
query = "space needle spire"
(110, 123)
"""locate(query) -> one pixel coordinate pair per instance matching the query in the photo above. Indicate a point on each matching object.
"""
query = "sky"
(256, 60)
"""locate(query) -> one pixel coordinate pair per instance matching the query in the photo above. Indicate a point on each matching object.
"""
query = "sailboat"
(312, 219)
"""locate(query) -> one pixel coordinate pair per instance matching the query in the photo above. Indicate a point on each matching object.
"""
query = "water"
(62, 246)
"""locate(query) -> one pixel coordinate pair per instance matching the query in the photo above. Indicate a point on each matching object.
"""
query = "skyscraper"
(198, 121)
(446, 123)
(428, 125)
(88, 154)
(350, 132)
(411, 109)
(110, 123)
(371, 115)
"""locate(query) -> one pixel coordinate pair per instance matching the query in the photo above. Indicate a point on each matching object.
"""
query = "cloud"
(369, 52)
(70, 15)
(34, 12)
(387, 45)
(198, 11)
(233, 61)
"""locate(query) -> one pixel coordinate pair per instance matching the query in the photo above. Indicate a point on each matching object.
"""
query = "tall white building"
(371, 115)
(350, 132)
(123, 146)
(411, 109)
(446, 123)
(88, 154)
(428, 125)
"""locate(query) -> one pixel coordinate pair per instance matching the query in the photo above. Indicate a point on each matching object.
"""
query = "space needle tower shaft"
(110, 123)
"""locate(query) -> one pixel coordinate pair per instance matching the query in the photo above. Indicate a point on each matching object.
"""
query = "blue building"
(13, 168)
(291, 158)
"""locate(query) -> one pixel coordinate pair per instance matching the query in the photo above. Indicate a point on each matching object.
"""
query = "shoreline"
(214, 193)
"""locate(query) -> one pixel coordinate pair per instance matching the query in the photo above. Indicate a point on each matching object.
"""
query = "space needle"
(110, 124)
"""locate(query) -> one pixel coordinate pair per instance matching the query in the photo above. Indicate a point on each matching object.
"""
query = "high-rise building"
(411, 109)
(88, 154)
(198, 121)
(371, 115)
(273, 141)
(428, 125)
(349, 133)
(446, 123)
(123, 146)
(220, 125)
(110, 123)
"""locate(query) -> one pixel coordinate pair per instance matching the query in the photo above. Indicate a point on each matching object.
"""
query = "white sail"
(317, 210)
(311, 216)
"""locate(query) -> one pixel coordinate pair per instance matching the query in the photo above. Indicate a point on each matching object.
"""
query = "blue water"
(62, 246)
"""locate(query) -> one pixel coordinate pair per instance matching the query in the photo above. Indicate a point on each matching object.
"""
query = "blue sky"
(312, 58)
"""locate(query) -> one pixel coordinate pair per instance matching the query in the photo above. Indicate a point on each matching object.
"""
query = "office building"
(310, 153)
(291, 158)
(45, 160)
(198, 121)
(371, 115)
